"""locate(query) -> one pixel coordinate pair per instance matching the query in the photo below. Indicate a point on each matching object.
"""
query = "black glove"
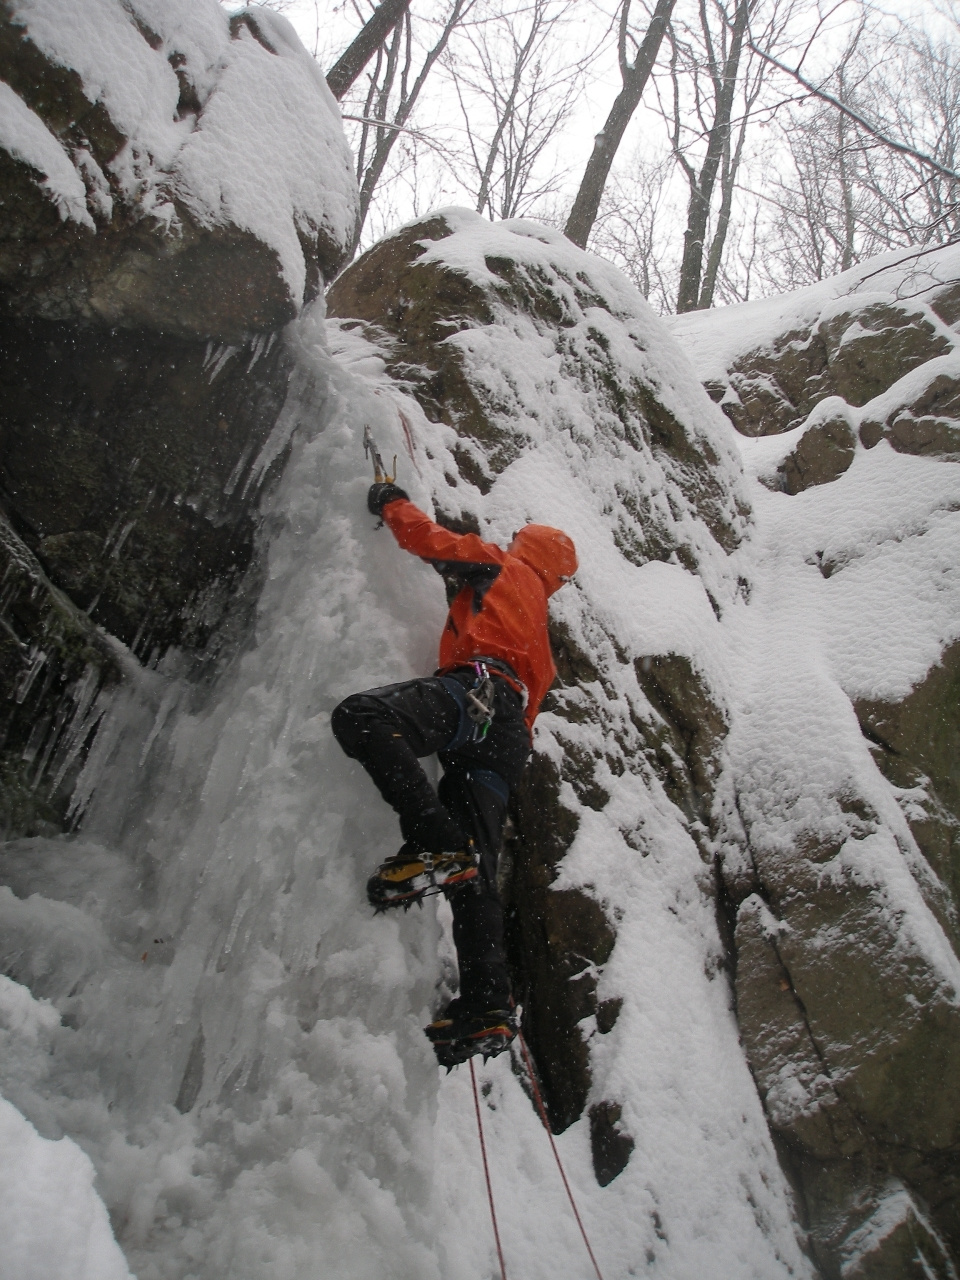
(380, 494)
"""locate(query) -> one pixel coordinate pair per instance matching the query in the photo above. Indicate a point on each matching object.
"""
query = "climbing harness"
(538, 1099)
(476, 702)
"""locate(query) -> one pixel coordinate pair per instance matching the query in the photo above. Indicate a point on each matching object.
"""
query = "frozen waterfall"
(239, 1049)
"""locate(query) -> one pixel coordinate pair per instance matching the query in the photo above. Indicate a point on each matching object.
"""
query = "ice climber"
(476, 712)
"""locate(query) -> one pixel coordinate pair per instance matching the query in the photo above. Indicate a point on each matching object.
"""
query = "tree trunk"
(701, 191)
(587, 202)
(364, 45)
(387, 137)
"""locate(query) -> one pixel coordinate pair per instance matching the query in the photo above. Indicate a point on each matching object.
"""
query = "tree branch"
(587, 201)
(364, 45)
(864, 124)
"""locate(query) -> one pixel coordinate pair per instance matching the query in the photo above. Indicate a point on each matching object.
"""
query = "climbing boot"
(459, 1033)
(413, 874)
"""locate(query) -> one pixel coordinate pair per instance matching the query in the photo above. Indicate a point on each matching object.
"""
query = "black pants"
(387, 730)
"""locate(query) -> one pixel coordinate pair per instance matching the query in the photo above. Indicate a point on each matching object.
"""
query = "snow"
(266, 152)
(854, 594)
(53, 1225)
(24, 135)
(714, 340)
(204, 938)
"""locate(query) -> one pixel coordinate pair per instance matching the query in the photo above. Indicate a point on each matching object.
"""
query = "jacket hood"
(550, 553)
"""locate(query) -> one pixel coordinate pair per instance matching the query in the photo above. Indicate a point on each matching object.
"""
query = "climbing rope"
(486, 1172)
(556, 1154)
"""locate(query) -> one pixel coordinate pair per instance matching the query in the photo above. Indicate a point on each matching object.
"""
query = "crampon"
(457, 1036)
(413, 874)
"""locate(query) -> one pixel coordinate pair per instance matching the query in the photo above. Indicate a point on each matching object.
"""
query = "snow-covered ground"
(205, 937)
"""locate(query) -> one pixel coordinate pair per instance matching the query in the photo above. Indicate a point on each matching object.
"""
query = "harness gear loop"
(496, 667)
(480, 701)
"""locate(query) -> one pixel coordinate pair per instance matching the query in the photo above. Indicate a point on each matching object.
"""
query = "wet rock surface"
(131, 467)
(143, 373)
(55, 670)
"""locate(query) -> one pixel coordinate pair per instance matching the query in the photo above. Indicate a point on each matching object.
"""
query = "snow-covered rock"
(548, 365)
(731, 877)
(501, 332)
(242, 1050)
(167, 166)
(840, 799)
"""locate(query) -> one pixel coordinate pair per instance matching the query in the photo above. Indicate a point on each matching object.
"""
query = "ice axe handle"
(370, 450)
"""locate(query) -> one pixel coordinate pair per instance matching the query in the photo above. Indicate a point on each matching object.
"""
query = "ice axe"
(370, 450)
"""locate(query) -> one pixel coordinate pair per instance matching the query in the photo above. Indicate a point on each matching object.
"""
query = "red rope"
(556, 1154)
(486, 1170)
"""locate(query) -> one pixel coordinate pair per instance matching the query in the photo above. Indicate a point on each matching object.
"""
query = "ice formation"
(238, 1046)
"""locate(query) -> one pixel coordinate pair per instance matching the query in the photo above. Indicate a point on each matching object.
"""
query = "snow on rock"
(907, 282)
(839, 802)
(25, 137)
(720, 896)
(508, 334)
(246, 1063)
(172, 166)
(53, 1225)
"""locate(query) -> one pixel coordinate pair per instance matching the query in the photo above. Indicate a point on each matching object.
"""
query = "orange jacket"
(501, 609)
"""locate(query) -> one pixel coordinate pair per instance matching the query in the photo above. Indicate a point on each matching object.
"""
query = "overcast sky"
(327, 28)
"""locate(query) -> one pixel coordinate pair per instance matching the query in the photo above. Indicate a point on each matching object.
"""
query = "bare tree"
(400, 71)
(632, 229)
(516, 85)
(361, 49)
(884, 136)
(634, 76)
(847, 194)
(705, 75)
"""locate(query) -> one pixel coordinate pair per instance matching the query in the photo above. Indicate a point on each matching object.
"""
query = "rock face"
(849, 1019)
(502, 333)
(175, 184)
(131, 464)
(132, 468)
(423, 303)
(824, 452)
(917, 746)
(167, 167)
(852, 351)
